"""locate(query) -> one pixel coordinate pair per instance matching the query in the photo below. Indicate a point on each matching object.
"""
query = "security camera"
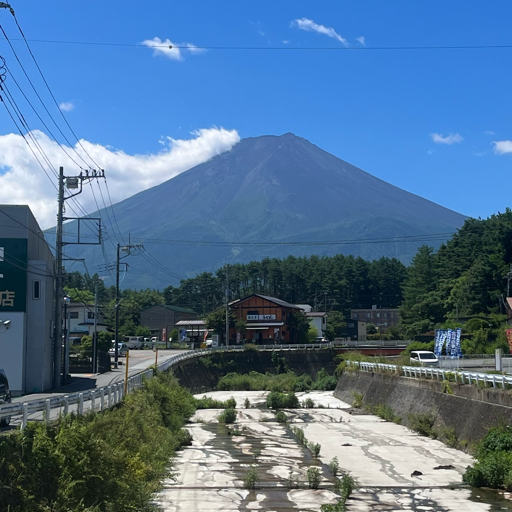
(7, 323)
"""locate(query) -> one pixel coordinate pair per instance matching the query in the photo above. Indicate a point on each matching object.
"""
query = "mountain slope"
(270, 189)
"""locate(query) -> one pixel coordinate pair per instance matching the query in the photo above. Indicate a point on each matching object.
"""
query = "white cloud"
(361, 40)
(502, 147)
(311, 26)
(169, 49)
(22, 180)
(67, 106)
(488, 132)
(451, 138)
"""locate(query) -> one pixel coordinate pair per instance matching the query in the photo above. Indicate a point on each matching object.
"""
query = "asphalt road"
(139, 360)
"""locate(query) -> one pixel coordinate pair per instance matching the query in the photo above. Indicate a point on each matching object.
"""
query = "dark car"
(5, 396)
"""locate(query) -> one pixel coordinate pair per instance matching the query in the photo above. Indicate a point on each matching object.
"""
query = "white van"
(424, 357)
(134, 342)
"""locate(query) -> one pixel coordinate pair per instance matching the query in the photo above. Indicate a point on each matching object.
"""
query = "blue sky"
(426, 120)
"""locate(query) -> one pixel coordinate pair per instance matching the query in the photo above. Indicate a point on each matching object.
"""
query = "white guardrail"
(462, 377)
(99, 399)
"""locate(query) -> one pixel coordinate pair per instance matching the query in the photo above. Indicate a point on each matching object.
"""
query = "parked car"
(424, 357)
(5, 396)
(134, 342)
(122, 348)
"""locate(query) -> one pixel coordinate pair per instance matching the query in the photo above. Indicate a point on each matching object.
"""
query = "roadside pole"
(156, 357)
(126, 373)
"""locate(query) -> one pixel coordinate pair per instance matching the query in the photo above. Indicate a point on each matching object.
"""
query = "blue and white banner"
(449, 340)
(183, 334)
(438, 347)
(456, 349)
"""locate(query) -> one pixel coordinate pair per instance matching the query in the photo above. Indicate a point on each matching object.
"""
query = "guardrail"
(437, 373)
(105, 397)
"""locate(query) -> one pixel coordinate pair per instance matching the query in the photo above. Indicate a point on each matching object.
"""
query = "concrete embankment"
(469, 410)
(203, 373)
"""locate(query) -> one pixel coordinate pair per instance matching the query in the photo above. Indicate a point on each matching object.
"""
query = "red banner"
(509, 339)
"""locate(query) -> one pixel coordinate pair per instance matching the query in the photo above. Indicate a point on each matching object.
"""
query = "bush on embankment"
(494, 461)
(289, 381)
(109, 461)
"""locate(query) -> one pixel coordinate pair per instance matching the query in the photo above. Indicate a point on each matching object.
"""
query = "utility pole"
(227, 305)
(508, 277)
(72, 182)
(57, 368)
(95, 335)
(127, 249)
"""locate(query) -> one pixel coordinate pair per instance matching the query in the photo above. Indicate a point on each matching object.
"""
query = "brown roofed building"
(268, 320)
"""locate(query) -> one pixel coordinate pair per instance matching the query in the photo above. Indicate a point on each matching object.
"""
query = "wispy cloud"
(67, 106)
(451, 138)
(311, 26)
(167, 48)
(502, 147)
(361, 40)
(488, 132)
(127, 174)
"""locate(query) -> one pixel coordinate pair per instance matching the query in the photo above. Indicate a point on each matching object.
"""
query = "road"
(138, 361)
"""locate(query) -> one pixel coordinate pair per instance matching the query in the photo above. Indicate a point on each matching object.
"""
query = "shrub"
(498, 439)
(227, 416)
(299, 434)
(490, 471)
(386, 413)
(313, 477)
(251, 479)
(207, 402)
(247, 403)
(422, 424)
(335, 466)
(308, 403)
(277, 400)
(281, 417)
(358, 400)
(315, 449)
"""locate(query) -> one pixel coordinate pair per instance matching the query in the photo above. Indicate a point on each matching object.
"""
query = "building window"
(36, 290)
(90, 315)
(1, 254)
(350, 325)
(367, 315)
(73, 314)
(354, 316)
(378, 315)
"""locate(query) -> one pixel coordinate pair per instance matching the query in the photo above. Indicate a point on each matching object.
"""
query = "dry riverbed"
(384, 458)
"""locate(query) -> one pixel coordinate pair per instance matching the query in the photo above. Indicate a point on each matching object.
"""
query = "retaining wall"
(202, 374)
(470, 410)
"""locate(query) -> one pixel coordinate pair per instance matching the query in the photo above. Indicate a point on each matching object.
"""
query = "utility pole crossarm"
(4, 5)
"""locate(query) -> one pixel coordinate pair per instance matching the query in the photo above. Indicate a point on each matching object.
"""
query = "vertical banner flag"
(164, 334)
(458, 350)
(437, 343)
(448, 341)
(454, 352)
(183, 334)
(509, 339)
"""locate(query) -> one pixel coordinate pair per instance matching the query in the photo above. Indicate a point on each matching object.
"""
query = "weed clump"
(227, 416)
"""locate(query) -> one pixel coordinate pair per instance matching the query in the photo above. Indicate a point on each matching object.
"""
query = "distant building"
(355, 330)
(508, 304)
(26, 302)
(382, 318)
(161, 320)
(268, 320)
(318, 320)
(81, 320)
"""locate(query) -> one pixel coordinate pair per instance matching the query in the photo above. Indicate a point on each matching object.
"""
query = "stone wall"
(202, 374)
(469, 410)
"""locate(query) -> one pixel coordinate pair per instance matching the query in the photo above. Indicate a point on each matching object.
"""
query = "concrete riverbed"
(384, 459)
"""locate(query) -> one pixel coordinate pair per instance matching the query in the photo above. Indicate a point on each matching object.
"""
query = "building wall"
(158, 318)
(12, 349)
(39, 339)
(28, 357)
(260, 306)
(82, 313)
(380, 317)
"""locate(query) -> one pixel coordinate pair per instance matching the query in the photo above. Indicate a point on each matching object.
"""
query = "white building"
(318, 320)
(80, 319)
(26, 302)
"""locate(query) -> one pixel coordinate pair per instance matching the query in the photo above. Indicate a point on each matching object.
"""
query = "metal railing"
(463, 377)
(99, 399)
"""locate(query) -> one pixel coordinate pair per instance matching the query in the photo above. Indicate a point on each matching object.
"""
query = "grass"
(207, 402)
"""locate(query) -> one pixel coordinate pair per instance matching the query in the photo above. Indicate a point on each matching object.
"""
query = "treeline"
(337, 283)
(464, 279)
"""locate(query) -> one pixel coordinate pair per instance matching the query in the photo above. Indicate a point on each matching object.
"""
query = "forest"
(466, 279)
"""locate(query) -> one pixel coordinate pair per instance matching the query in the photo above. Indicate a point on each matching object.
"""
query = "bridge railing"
(98, 399)
(463, 377)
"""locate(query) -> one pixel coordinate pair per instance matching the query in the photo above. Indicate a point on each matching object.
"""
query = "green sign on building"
(13, 274)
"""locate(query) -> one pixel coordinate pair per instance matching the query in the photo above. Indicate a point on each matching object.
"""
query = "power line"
(276, 48)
